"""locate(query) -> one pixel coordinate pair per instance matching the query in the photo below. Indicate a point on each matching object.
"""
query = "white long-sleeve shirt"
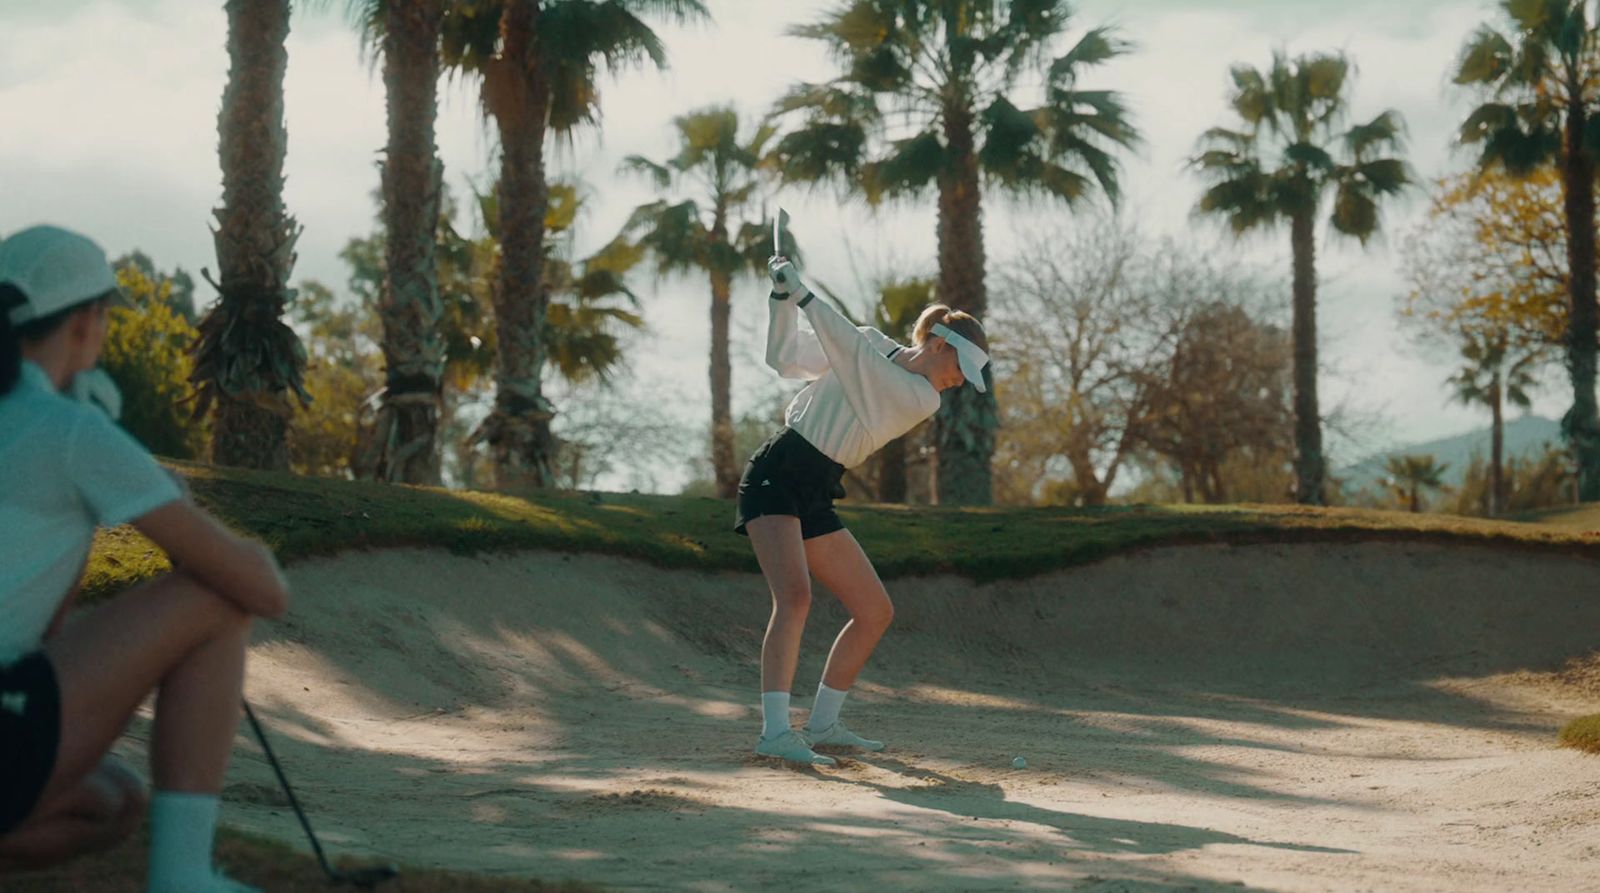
(858, 399)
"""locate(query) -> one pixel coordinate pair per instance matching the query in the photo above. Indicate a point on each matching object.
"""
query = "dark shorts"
(789, 476)
(30, 733)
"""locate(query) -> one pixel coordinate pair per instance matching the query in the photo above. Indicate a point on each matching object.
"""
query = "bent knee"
(877, 614)
(227, 616)
(791, 599)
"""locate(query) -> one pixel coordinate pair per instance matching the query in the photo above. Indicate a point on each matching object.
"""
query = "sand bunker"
(1311, 717)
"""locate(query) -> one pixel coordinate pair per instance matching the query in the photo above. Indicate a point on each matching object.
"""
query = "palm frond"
(642, 166)
(1309, 156)
(672, 233)
(1354, 212)
(909, 167)
(830, 102)
(1252, 99)
(1485, 59)
(1384, 176)
(822, 151)
(1384, 132)
(1008, 134)
(1096, 46)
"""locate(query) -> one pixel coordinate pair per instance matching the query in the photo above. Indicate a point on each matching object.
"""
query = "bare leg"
(173, 633)
(105, 807)
(840, 564)
(782, 555)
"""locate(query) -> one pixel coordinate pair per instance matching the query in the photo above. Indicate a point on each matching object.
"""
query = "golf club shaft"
(283, 781)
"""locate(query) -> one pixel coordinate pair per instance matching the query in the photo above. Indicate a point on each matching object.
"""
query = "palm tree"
(582, 319)
(405, 440)
(1492, 376)
(716, 239)
(1278, 167)
(539, 63)
(925, 98)
(1412, 475)
(1542, 88)
(247, 360)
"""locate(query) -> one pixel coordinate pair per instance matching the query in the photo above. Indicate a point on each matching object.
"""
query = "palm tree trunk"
(407, 438)
(517, 92)
(722, 458)
(1308, 463)
(246, 360)
(1582, 422)
(1416, 498)
(1497, 489)
(968, 419)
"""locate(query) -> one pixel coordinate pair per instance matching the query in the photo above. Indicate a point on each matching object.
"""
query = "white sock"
(774, 713)
(825, 712)
(182, 828)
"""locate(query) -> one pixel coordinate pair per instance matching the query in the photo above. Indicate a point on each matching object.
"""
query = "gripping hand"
(786, 280)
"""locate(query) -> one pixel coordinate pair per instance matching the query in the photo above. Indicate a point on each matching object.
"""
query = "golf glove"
(786, 280)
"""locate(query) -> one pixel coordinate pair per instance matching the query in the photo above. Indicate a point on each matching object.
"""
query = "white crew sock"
(182, 828)
(825, 712)
(774, 713)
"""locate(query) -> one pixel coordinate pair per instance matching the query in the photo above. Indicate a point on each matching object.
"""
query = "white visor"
(972, 357)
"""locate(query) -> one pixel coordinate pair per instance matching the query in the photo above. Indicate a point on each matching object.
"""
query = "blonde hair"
(962, 323)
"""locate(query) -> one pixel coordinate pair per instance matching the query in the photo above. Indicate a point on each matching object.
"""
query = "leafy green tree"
(1540, 81)
(927, 97)
(1290, 152)
(718, 181)
(1493, 375)
(176, 287)
(147, 355)
(248, 363)
(1412, 476)
(538, 64)
(332, 437)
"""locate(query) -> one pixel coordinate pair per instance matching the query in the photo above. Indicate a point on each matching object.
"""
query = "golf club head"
(779, 223)
(369, 876)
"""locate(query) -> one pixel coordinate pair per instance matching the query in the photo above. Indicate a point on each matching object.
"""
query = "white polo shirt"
(65, 468)
(858, 399)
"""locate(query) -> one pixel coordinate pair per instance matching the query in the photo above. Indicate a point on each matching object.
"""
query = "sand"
(1311, 717)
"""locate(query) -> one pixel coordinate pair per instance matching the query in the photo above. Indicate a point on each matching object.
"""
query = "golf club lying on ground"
(365, 878)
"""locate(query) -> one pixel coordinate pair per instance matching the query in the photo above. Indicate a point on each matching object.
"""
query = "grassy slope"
(302, 517)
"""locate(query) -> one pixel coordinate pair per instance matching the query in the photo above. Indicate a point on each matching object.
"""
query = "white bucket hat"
(971, 356)
(54, 269)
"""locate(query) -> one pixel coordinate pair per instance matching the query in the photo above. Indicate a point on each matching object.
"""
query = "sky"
(110, 128)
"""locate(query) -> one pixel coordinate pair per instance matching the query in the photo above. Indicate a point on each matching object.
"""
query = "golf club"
(366, 877)
(778, 222)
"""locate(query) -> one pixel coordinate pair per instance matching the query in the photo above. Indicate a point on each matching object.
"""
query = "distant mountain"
(1524, 436)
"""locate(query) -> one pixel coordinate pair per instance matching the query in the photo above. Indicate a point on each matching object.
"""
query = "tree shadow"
(966, 799)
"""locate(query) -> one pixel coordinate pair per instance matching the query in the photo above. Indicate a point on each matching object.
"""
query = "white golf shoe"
(792, 747)
(839, 736)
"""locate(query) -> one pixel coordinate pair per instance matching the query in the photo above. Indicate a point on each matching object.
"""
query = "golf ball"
(1019, 763)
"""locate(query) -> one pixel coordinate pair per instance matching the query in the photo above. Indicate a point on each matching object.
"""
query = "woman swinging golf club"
(865, 390)
(67, 690)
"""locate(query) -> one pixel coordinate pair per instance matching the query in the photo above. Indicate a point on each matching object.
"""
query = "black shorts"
(789, 476)
(30, 734)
